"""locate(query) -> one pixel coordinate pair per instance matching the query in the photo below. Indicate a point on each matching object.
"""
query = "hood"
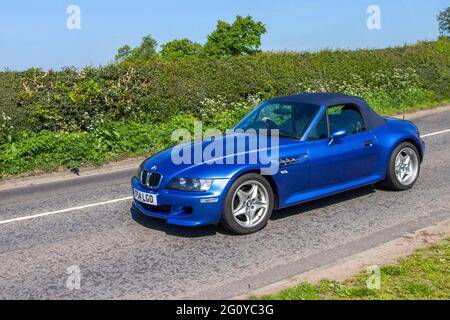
(215, 158)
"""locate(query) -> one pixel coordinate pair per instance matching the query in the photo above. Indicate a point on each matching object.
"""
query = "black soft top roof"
(373, 120)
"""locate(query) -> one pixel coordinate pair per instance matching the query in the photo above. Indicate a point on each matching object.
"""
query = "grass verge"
(422, 275)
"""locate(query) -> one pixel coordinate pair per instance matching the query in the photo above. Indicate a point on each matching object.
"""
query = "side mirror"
(337, 135)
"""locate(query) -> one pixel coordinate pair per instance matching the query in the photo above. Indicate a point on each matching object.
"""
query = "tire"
(243, 212)
(394, 173)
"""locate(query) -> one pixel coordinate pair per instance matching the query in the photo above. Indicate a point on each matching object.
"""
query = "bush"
(94, 114)
(50, 150)
(155, 90)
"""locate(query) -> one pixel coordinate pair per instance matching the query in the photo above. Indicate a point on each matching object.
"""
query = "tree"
(180, 48)
(123, 53)
(243, 36)
(444, 21)
(146, 50)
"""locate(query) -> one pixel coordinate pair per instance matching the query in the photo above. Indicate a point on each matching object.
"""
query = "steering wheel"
(269, 123)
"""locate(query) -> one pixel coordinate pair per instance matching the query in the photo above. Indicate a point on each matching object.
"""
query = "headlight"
(190, 184)
(139, 171)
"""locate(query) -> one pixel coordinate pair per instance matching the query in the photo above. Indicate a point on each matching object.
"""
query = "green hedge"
(47, 150)
(73, 100)
(67, 118)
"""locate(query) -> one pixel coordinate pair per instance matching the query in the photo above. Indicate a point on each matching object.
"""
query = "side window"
(346, 117)
(321, 130)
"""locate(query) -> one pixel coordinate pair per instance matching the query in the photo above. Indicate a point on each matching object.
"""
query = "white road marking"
(34, 216)
(435, 133)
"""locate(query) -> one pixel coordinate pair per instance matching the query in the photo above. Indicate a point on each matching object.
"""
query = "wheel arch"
(268, 178)
(414, 142)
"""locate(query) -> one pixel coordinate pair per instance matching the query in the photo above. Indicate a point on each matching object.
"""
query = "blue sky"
(34, 33)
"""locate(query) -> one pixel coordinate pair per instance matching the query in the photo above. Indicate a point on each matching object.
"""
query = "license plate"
(147, 198)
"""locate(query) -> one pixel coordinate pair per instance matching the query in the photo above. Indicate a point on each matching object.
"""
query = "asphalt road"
(124, 255)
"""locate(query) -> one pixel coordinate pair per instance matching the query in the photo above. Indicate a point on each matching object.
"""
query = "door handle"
(367, 143)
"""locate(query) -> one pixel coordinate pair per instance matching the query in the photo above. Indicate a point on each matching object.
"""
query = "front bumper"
(185, 208)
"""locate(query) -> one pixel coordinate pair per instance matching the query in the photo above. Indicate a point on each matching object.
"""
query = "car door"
(346, 159)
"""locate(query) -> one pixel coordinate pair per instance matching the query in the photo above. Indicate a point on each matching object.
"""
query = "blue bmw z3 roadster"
(286, 151)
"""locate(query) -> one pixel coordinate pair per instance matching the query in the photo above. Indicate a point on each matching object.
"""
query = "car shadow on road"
(323, 202)
(205, 231)
(173, 230)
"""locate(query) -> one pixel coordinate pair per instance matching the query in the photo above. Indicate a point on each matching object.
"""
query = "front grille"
(150, 179)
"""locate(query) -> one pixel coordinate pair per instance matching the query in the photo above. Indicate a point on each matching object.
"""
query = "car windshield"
(291, 119)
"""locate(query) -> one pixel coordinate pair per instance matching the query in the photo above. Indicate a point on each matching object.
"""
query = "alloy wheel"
(406, 166)
(250, 203)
